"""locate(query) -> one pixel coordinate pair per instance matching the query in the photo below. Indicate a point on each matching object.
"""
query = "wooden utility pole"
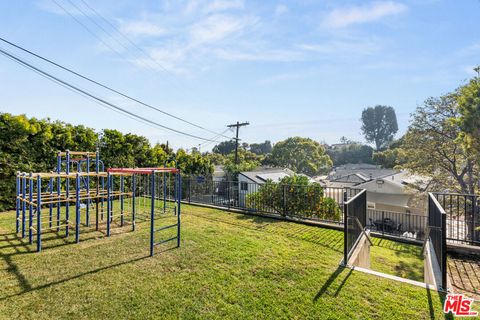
(237, 126)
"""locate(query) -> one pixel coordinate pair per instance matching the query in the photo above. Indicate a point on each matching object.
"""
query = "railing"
(463, 217)
(355, 217)
(304, 202)
(400, 224)
(437, 221)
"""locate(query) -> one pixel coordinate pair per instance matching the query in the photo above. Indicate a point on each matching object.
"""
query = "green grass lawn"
(228, 266)
(396, 258)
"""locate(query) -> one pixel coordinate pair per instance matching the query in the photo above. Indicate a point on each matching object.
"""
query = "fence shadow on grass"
(26, 287)
(333, 277)
(441, 297)
(328, 238)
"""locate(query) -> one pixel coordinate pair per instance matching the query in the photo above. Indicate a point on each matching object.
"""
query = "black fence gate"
(355, 219)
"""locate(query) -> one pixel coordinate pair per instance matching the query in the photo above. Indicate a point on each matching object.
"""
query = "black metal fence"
(463, 211)
(401, 224)
(355, 217)
(437, 222)
(304, 202)
(463, 217)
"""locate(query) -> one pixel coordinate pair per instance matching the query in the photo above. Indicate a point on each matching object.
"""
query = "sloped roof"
(261, 176)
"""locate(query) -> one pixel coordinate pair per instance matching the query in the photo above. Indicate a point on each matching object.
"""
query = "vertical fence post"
(50, 206)
(284, 198)
(121, 200)
(77, 208)
(17, 203)
(133, 201)
(67, 193)
(189, 191)
(108, 203)
(24, 203)
(474, 215)
(444, 251)
(30, 209)
(345, 229)
(152, 210)
(39, 213)
(179, 207)
(383, 222)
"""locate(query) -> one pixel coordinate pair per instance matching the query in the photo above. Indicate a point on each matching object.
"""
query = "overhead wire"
(101, 100)
(108, 87)
(123, 35)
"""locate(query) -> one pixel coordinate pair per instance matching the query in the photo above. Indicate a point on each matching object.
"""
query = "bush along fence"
(289, 198)
(301, 199)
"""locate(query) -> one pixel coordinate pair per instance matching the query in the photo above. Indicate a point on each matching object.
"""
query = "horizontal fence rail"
(310, 202)
(327, 205)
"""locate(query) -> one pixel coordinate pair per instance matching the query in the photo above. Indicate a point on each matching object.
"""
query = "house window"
(244, 186)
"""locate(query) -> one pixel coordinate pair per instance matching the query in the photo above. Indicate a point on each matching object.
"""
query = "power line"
(107, 87)
(103, 101)
(88, 29)
(140, 49)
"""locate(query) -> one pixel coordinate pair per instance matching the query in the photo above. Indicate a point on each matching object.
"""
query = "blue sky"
(304, 68)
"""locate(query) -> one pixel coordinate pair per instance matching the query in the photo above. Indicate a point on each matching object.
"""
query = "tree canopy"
(379, 125)
(30, 145)
(468, 100)
(430, 147)
(352, 153)
(302, 155)
(224, 147)
(261, 148)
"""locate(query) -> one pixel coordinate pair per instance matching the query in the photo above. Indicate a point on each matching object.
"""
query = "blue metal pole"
(179, 208)
(108, 204)
(39, 213)
(87, 211)
(152, 213)
(164, 192)
(67, 194)
(121, 200)
(30, 208)
(24, 203)
(133, 201)
(17, 203)
(77, 208)
(50, 206)
(103, 189)
(97, 167)
(59, 189)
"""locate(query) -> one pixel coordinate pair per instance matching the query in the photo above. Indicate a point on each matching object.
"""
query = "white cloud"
(343, 17)
(223, 5)
(142, 28)
(351, 47)
(281, 9)
(217, 27)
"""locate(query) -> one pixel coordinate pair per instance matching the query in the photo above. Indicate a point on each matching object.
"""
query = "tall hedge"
(30, 145)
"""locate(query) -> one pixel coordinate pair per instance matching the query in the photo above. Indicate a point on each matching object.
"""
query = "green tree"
(468, 102)
(352, 153)
(301, 155)
(224, 147)
(295, 195)
(247, 161)
(391, 157)
(430, 147)
(379, 125)
(261, 148)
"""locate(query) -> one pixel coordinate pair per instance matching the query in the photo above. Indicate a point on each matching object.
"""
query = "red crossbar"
(143, 170)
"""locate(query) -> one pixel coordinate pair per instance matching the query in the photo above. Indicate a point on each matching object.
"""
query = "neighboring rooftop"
(264, 174)
(359, 173)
